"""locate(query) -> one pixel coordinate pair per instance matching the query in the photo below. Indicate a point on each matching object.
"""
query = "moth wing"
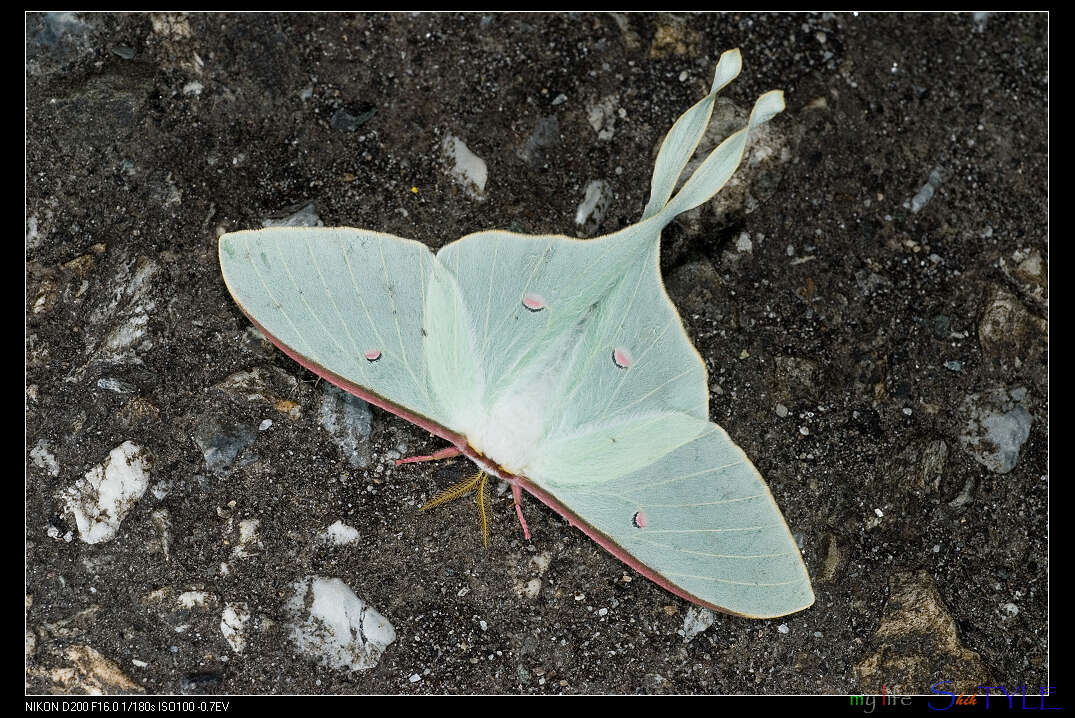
(699, 519)
(635, 356)
(347, 303)
(526, 294)
(560, 305)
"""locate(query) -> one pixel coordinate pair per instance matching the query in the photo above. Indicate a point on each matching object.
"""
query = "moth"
(556, 364)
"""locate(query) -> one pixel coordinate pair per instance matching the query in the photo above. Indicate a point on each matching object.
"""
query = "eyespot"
(622, 358)
(533, 302)
(639, 520)
(373, 355)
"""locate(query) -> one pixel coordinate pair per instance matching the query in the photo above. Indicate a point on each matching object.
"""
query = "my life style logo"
(988, 698)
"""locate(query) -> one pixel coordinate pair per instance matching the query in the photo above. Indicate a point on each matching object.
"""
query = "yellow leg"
(454, 492)
(479, 481)
(483, 507)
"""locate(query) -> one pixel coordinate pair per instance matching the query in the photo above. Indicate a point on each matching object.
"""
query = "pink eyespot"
(534, 302)
(639, 520)
(621, 358)
(373, 355)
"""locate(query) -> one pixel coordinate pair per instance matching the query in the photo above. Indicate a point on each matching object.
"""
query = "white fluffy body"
(509, 426)
(509, 431)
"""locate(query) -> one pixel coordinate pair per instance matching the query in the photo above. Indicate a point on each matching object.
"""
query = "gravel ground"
(870, 297)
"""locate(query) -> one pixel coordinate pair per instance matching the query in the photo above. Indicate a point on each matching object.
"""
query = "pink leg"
(442, 454)
(518, 494)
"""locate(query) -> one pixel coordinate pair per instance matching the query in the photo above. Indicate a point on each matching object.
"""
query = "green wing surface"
(597, 296)
(348, 300)
(699, 519)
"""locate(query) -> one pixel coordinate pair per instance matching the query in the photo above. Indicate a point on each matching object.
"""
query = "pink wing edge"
(461, 443)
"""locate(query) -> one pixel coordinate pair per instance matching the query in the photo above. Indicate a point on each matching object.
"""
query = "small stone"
(102, 499)
(349, 420)
(83, 670)
(696, 621)
(795, 378)
(531, 589)
(602, 117)
(43, 458)
(1010, 335)
(465, 167)
(350, 119)
(305, 217)
(335, 627)
(138, 410)
(743, 243)
(965, 496)
(673, 37)
(546, 134)
(249, 540)
(933, 461)
(998, 424)
(833, 560)
(116, 385)
(925, 193)
(595, 203)
(221, 443)
(916, 640)
(192, 599)
(339, 534)
(233, 625)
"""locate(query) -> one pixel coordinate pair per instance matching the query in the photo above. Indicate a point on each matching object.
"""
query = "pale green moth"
(559, 365)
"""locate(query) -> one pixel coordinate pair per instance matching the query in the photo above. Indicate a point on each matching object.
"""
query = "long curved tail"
(682, 140)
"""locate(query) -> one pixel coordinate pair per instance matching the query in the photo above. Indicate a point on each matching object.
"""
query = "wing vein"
(365, 309)
(738, 583)
(309, 307)
(423, 386)
(695, 475)
(732, 529)
(750, 556)
(279, 306)
(328, 292)
(489, 300)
